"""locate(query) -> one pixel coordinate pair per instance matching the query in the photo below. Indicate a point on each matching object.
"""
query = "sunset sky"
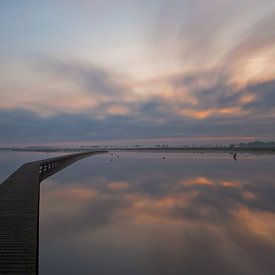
(142, 71)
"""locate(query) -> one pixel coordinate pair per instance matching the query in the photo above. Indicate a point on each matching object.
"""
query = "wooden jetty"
(19, 213)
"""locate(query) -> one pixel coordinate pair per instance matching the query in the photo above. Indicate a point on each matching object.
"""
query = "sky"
(136, 71)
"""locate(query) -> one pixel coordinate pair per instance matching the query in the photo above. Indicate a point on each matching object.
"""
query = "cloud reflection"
(165, 213)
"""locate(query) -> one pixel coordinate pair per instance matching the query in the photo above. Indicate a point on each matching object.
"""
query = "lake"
(193, 214)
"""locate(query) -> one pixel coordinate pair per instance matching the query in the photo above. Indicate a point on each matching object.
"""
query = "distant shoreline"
(253, 150)
(201, 150)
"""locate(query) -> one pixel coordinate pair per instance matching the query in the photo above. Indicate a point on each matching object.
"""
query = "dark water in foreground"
(139, 214)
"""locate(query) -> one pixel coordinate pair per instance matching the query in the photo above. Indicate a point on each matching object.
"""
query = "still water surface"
(193, 214)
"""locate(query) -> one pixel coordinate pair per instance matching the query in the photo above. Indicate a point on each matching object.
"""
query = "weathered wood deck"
(19, 213)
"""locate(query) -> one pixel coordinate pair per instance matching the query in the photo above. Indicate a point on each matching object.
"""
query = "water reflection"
(140, 214)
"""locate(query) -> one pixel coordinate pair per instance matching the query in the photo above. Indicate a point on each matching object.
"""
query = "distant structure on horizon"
(258, 144)
(255, 145)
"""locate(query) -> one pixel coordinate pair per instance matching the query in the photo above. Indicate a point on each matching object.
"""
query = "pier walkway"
(19, 213)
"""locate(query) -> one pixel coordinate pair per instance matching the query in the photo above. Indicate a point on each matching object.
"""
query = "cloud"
(265, 97)
(207, 31)
(97, 81)
(222, 48)
(26, 127)
(208, 69)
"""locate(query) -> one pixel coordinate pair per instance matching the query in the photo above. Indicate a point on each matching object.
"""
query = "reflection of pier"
(19, 213)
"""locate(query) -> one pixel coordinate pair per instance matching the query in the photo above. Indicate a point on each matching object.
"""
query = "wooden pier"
(19, 213)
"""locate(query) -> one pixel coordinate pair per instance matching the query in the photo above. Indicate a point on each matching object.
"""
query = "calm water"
(139, 214)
